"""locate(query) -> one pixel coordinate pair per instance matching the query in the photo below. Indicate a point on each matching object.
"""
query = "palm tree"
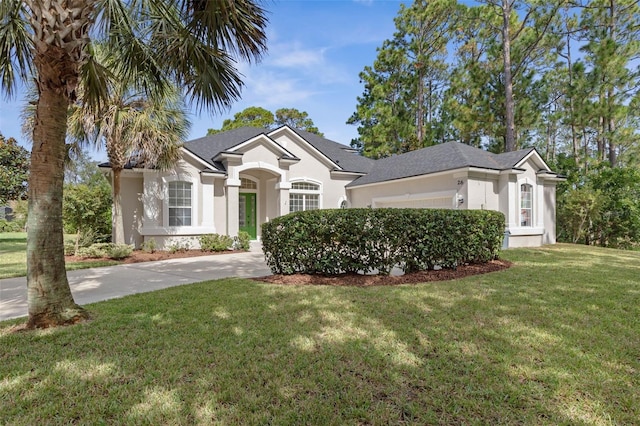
(152, 44)
(135, 129)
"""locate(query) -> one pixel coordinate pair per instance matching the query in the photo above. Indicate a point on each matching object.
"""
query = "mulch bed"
(142, 256)
(359, 280)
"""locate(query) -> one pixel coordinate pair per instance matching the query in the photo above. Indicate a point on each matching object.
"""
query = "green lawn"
(13, 256)
(553, 340)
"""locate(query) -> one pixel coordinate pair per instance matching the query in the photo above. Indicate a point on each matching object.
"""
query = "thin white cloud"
(309, 62)
(273, 89)
(296, 58)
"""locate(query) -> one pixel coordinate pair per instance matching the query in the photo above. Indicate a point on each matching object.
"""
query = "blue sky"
(317, 48)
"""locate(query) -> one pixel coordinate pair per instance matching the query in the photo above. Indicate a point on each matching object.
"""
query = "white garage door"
(424, 203)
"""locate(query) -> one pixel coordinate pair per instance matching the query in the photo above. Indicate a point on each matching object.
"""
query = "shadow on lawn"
(479, 350)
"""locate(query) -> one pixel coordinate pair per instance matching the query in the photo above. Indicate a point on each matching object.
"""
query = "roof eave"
(202, 161)
(550, 176)
(288, 160)
(346, 173)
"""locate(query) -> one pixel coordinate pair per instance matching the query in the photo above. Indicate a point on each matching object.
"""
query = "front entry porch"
(258, 196)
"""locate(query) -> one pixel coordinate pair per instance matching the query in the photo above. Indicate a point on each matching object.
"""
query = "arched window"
(180, 203)
(247, 184)
(304, 196)
(526, 205)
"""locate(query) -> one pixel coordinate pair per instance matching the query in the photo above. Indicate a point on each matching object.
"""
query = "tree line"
(559, 75)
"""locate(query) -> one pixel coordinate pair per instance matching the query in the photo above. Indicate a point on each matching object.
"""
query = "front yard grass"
(13, 256)
(553, 340)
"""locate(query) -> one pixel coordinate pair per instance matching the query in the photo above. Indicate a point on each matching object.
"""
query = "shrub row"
(368, 240)
(100, 250)
(217, 242)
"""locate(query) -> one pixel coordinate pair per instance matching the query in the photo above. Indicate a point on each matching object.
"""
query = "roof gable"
(264, 140)
(336, 155)
(343, 156)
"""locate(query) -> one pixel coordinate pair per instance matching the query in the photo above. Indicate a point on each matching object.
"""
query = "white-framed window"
(179, 203)
(304, 195)
(526, 204)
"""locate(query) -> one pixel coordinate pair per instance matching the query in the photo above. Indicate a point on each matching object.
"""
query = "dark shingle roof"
(438, 158)
(209, 146)
(340, 154)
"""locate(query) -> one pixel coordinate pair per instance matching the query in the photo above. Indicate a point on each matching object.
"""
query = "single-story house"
(237, 180)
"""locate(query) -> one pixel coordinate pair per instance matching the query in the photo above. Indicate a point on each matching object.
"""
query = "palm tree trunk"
(58, 56)
(49, 297)
(117, 222)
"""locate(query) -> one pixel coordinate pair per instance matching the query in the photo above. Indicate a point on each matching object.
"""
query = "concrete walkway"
(97, 284)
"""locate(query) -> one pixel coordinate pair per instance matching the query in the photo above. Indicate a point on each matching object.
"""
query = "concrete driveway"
(96, 284)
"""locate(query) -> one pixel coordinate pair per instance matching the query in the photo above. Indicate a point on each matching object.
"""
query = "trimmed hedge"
(332, 242)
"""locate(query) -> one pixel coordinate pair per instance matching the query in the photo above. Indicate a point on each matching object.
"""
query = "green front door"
(247, 214)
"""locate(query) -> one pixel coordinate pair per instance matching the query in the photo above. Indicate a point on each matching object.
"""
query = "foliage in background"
(574, 95)
(260, 117)
(14, 170)
(20, 211)
(366, 240)
(601, 208)
(7, 226)
(87, 204)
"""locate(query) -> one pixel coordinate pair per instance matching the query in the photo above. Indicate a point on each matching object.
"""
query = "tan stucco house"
(240, 179)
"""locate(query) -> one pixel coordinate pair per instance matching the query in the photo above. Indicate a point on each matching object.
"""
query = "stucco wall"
(260, 153)
(155, 223)
(525, 241)
(314, 167)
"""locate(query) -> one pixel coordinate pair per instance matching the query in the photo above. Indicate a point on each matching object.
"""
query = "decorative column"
(539, 203)
(207, 201)
(233, 200)
(283, 197)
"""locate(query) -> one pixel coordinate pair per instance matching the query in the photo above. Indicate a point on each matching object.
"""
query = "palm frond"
(158, 43)
(15, 45)
(233, 26)
(96, 77)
